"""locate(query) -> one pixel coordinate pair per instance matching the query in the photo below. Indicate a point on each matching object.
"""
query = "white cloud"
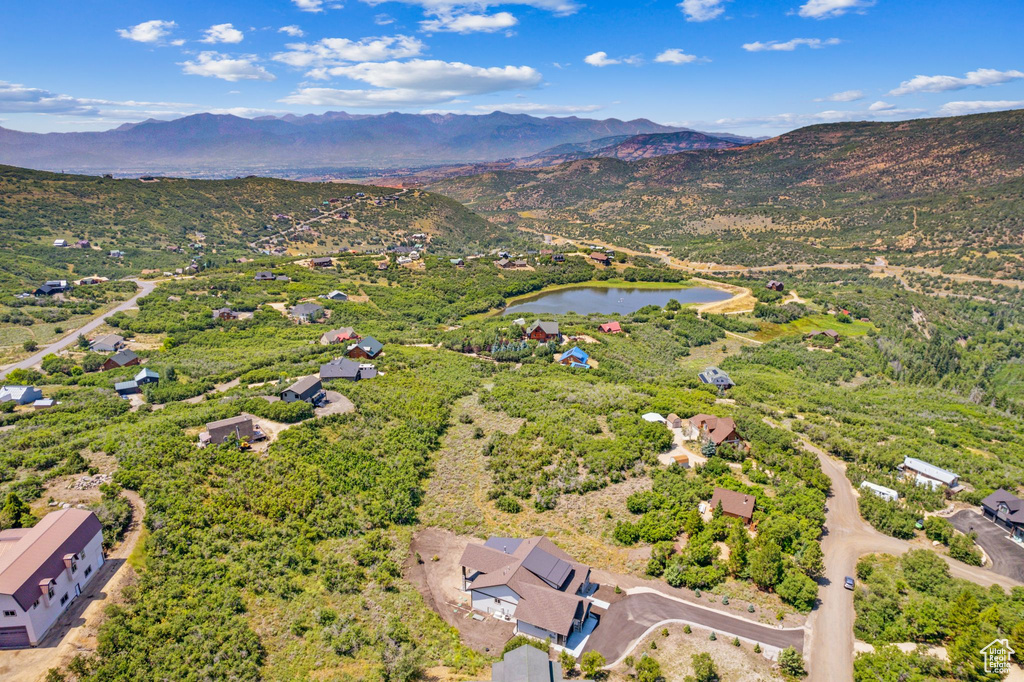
(538, 109)
(178, 43)
(702, 10)
(881, 106)
(310, 5)
(216, 65)
(789, 45)
(469, 23)
(333, 51)
(417, 81)
(828, 9)
(979, 78)
(292, 30)
(222, 33)
(791, 120)
(602, 59)
(17, 98)
(440, 7)
(978, 106)
(675, 56)
(248, 112)
(383, 19)
(844, 96)
(148, 31)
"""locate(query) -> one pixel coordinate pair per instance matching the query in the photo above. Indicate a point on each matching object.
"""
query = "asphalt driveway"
(1007, 556)
(627, 620)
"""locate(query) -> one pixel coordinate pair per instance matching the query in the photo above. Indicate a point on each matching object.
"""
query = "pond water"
(622, 300)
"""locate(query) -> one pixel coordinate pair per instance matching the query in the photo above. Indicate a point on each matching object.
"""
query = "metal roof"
(930, 470)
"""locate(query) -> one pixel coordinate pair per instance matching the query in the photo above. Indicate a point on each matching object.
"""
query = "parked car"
(848, 583)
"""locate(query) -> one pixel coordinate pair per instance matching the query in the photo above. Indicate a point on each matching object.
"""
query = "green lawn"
(812, 323)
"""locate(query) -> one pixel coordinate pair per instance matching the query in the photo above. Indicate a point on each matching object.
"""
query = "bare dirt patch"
(334, 403)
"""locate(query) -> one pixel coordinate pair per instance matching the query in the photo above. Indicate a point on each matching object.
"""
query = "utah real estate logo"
(997, 656)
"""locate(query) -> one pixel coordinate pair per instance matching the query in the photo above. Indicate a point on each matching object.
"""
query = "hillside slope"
(224, 217)
(631, 148)
(944, 192)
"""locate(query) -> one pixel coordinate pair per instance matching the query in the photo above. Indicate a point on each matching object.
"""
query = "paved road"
(72, 337)
(627, 620)
(847, 538)
(1007, 556)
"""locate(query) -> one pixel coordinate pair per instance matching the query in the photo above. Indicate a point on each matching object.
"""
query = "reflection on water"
(622, 300)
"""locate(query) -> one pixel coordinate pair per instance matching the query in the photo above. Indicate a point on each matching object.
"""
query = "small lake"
(623, 300)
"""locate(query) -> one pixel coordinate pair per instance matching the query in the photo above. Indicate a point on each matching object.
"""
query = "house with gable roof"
(531, 582)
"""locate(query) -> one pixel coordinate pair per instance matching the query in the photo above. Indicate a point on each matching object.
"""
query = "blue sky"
(756, 67)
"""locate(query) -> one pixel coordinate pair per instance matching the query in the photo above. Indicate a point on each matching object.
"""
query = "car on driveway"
(848, 583)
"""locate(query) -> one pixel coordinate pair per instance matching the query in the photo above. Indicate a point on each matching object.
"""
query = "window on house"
(10, 614)
(74, 565)
(49, 591)
(88, 570)
(64, 599)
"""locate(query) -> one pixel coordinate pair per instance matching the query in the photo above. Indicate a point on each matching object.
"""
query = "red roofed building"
(610, 328)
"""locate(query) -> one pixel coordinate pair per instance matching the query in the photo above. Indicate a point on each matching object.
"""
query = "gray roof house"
(1006, 510)
(20, 395)
(336, 296)
(219, 431)
(306, 388)
(264, 276)
(526, 664)
(530, 581)
(930, 475)
(108, 343)
(365, 348)
(306, 312)
(126, 388)
(341, 368)
(716, 377)
(543, 330)
(146, 376)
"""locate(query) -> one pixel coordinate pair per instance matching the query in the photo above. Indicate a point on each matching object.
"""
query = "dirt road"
(75, 631)
(847, 537)
(145, 287)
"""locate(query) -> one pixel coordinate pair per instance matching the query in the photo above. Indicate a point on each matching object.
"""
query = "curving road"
(829, 655)
(145, 288)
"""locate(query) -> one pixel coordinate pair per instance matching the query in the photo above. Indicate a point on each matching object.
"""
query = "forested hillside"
(941, 193)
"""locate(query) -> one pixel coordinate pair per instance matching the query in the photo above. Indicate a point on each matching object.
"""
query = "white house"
(336, 296)
(42, 570)
(930, 475)
(885, 493)
(20, 395)
(531, 582)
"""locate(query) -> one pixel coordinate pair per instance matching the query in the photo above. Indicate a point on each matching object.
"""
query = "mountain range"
(228, 145)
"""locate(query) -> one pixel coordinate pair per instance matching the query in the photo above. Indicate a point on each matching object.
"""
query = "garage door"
(13, 638)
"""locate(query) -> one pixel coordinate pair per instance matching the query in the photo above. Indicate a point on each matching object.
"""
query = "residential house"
(610, 328)
(544, 331)
(116, 254)
(674, 421)
(225, 314)
(53, 286)
(504, 264)
(321, 262)
(575, 357)
(529, 581)
(601, 257)
(719, 430)
(828, 333)
(122, 358)
(43, 569)
(126, 388)
(338, 336)
(457, 262)
(775, 285)
(306, 312)
(350, 370)
(383, 265)
(240, 427)
(282, 278)
(526, 664)
(716, 377)
(147, 376)
(1005, 510)
(264, 276)
(735, 505)
(368, 348)
(558, 258)
(43, 404)
(887, 494)
(20, 395)
(83, 244)
(60, 242)
(930, 475)
(336, 296)
(308, 389)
